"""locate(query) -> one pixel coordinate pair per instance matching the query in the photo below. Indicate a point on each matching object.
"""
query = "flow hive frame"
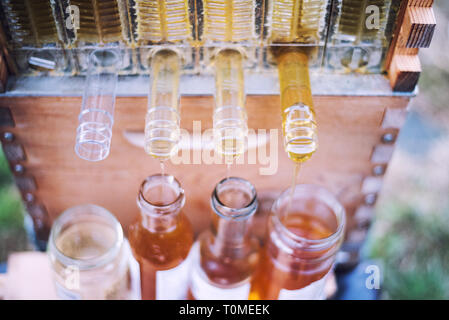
(359, 119)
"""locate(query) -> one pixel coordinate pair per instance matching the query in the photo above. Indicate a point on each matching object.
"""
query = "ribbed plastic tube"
(94, 133)
(298, 114)
(230, 118)
(162, 123)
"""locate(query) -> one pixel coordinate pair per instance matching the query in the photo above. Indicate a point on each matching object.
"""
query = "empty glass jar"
(90, 257)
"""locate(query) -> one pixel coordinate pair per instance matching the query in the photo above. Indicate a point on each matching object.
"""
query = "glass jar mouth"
(85, 212)
(150, 206)
(237, 213)
(323, 196)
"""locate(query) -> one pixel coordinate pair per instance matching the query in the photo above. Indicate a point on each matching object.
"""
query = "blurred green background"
(410, 234)
(12, 232)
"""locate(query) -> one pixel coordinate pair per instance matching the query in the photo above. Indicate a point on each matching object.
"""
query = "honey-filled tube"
(301, 21)
(298, 114)
(161, 239)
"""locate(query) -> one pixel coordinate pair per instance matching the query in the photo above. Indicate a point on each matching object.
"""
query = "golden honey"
(99, 22)
(228, 20)
(163, 20)
(298, 114)
(297, 20)
(161, 239)
(31, 21)
(304, 236)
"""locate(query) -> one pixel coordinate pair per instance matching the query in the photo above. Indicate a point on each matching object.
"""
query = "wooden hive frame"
(357, 135)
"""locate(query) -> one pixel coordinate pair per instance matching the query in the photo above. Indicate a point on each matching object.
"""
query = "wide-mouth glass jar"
(90, 257)
(305, 231)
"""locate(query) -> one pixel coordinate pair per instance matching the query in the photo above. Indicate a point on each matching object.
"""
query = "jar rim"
(146, 204)
(92, 210)
(234, 213)
(325, 197)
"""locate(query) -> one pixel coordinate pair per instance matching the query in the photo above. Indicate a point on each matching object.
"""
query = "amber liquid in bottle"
(160, 241)
(227, 256)
(275, 273)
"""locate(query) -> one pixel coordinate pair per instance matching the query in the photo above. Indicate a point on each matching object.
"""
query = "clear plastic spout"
(230, 118)
(93, 138)
(162, 123)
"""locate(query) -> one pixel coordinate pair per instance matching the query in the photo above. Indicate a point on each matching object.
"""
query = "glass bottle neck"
(159, 223)
(234, 203)
(229, 232)
(160, 200)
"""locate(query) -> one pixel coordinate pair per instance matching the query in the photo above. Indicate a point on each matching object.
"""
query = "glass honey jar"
(305, 231)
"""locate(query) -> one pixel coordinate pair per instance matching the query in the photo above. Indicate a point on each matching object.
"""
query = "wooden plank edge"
(404, 72)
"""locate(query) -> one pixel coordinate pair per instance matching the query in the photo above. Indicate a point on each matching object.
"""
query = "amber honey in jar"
(224, 258)
(161, 239)
(305, 231)
(90, 258)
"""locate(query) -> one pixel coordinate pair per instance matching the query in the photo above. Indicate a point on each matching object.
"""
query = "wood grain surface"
(349, 130)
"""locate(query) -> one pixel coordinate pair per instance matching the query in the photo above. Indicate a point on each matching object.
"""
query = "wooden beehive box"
(359, 119)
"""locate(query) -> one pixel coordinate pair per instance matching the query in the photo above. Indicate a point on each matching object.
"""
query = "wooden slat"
(415, 29)
(9, 61)
(418, 28)
(404, 72)
(407, 51)
(394, 40)
(3, 74)
(420, 3)
(6, 119)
